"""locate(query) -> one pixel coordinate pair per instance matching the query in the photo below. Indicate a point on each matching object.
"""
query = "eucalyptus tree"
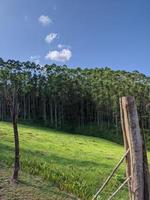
(60, 96)
(13, 79)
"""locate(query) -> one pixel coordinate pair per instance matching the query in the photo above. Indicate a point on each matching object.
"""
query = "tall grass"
(77, 164)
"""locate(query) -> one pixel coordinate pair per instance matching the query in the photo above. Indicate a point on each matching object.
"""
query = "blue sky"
(85, 33)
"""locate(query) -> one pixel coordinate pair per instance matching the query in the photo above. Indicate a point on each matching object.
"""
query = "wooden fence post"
(136, 160)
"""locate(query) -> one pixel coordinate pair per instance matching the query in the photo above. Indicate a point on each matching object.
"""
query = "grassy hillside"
(73, 163)
(29, 188)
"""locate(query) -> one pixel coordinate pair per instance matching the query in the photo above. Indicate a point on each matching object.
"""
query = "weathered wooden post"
(136, 160)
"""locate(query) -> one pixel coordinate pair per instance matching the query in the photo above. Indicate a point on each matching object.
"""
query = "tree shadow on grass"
(56, 169)
(49, 158)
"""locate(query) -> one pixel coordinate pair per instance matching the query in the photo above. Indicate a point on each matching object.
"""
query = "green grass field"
(75, 164)
(29, 188)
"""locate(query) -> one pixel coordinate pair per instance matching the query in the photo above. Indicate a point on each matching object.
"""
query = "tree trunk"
(82, 113)
(56, 123)
(51, 112)
(44, 109)
(14, 113)
(62, 115)
(4, 109)
(116, 124)
(34, 108)
(16, 140)
(24, 107)
(29, 108)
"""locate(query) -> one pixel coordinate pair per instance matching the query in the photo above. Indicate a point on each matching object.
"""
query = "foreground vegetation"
(28, 188)
(76, 164)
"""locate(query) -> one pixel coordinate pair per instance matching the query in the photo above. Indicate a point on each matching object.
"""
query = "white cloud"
(35, 59)
(62, 46)
(62, 56)
(50, 37)
(45, 20)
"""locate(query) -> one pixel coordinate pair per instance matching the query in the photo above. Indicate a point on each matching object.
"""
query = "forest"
(45, 103)
(65, 98)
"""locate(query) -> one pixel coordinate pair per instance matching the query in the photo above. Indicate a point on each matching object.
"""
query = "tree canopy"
(60, 96)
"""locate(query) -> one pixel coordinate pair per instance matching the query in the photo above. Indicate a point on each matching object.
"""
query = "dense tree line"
(65, 97)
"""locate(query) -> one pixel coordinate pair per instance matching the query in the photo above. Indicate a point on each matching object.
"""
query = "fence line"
(111, 175)
(119, 188)
(137, 169)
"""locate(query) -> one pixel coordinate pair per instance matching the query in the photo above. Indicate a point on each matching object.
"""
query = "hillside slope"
(73, 163)
(29, 188)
